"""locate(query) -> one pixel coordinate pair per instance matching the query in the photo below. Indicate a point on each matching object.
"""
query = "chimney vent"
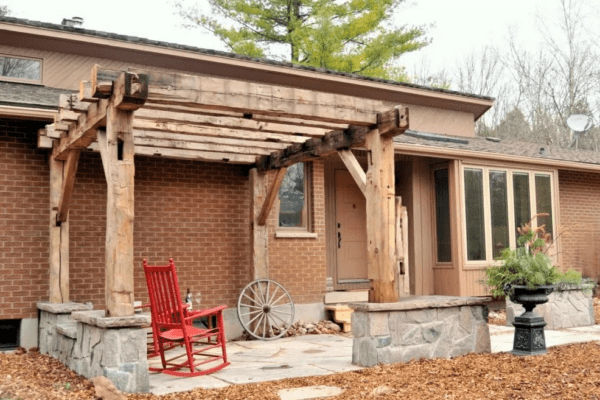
(74, 22)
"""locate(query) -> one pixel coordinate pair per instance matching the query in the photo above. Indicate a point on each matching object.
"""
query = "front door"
(351, 232)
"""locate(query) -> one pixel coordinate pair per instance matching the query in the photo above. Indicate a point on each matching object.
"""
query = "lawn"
(567, 372)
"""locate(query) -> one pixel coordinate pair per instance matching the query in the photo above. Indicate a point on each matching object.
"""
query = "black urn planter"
(529, 327)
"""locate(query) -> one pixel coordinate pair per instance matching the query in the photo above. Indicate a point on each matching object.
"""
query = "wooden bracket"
(355, 169)
(68, 184)
(271, 196)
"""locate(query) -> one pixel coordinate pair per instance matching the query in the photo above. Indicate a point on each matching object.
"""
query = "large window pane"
(22, 68)
(474, 214)
(292, 197)
(499, 211)
(521, 195)
(543, 200)
(442, 209)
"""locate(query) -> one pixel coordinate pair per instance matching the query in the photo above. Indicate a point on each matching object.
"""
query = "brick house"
(464, 195)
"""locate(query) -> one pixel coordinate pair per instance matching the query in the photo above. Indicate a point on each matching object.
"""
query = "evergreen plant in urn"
(527, 276)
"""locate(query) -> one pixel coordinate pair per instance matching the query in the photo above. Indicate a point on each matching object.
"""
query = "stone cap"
(63, 308)
(421, 302)
(97, 318)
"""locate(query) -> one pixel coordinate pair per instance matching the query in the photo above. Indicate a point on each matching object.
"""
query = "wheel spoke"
(282, 305)
(250, 312)
(252, 320)
(282, 312)
(256, 300)
(272, 297)
(280, 297)
(258, 323)
(262, 297)
(249, 306)
(285, 323)
(265, 325)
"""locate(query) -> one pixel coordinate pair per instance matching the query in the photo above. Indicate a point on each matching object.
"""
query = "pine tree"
(353, 36)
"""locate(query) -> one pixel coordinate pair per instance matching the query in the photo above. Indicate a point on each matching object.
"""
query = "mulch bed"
(567, 372)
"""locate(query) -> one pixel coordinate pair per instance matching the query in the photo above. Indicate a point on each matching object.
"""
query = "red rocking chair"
(172, 325)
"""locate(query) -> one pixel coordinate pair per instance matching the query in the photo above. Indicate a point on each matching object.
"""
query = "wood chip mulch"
(567, 372)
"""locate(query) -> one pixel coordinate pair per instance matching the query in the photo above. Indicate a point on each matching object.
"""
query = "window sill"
(296, 234)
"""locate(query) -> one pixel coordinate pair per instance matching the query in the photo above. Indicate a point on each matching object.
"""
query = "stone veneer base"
(92, 345)
(419, 327)
(569, 306)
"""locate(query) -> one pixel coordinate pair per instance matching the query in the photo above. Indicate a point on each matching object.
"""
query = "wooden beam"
(69, 171)
(258, 233)
(198, 155)
(355, 169)
(82, 133)
(249, 97)
(130, 92)
(59, 240)
(380, 196)
(85, 92)
(190, 145)
(150, 117)
(331, 142)
(271, 196)
(393, 122)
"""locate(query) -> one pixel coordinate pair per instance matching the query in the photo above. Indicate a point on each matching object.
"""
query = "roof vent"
(74, 22)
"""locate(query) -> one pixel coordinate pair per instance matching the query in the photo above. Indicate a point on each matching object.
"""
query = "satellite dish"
(580, 122)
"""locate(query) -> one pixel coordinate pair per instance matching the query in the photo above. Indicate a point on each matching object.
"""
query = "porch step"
(342, 315)
(68, 329)
(346, 297)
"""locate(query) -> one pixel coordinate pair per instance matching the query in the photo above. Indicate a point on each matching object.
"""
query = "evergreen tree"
(354, 36)
(4, 11)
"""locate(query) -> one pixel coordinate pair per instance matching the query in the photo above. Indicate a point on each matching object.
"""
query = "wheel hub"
(266, 309)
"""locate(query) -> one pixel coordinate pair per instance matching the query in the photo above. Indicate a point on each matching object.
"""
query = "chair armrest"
(203, 313)
(143, 306)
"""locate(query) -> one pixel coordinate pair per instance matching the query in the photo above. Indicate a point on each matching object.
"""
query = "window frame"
(24, 80)
(479, 264)
(293, 231)
(444, 264)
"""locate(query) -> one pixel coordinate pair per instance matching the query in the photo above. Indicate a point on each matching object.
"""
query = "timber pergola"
(127, 113)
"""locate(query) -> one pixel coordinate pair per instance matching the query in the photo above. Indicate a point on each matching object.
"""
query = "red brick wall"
(580, 216)
(300, 264)
(24, 220)
(196, 212)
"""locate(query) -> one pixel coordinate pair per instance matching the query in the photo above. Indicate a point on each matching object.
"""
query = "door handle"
(339, 239)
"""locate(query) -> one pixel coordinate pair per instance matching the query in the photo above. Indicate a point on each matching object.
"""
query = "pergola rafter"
(214, 119)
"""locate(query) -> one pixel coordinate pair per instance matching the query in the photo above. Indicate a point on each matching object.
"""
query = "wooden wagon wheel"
(265, 309)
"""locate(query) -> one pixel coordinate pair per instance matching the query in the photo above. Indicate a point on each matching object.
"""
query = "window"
(293, 198)
(497, 202)
(20, 69)
(442, 215)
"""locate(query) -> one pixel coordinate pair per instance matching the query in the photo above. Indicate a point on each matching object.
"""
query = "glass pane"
(291, 197)
(474, 213)
(499, 211)
(521, 194)
(442, 209)
(20, 68)
(543, 201)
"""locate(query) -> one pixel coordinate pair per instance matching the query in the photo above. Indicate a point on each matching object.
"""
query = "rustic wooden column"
(117, 152)
(59, 239)
(116, 146)
(258, 233)
(380, 195)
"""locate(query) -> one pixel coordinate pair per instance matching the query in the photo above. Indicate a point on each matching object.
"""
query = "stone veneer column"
(51, 316)
(113, 347)
(419, 327)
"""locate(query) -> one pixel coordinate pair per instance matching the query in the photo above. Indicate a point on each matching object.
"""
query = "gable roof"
(53, 37)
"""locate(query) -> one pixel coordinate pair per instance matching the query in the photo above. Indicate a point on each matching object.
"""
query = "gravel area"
(567, 372)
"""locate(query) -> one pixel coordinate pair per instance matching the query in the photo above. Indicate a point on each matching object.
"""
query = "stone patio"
(313, 355)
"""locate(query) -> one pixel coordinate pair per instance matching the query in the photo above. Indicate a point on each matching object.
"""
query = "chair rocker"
(172, 326)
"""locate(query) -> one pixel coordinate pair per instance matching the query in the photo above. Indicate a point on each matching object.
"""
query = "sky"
(460, 26)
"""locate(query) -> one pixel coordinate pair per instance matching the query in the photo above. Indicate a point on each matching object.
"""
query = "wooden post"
(402, 249)
(380, 194)
(259, 233)
(59, 239)
(117, 157)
